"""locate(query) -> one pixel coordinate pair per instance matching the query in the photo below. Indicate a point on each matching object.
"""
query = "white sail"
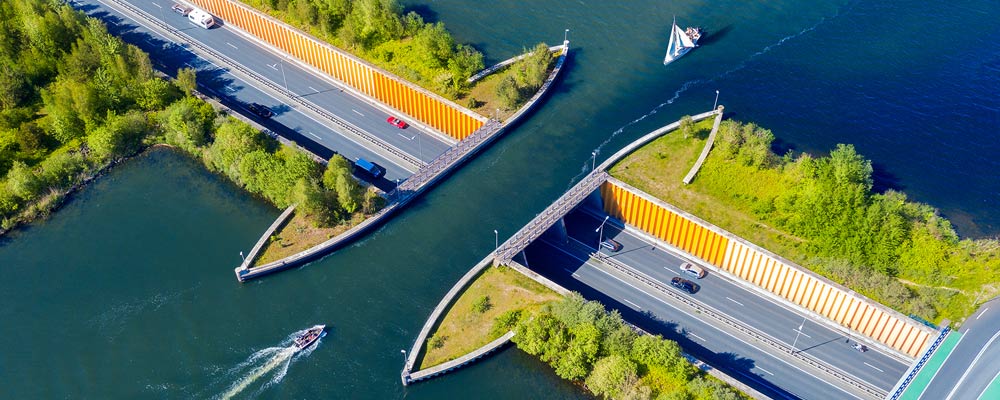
(678, 45)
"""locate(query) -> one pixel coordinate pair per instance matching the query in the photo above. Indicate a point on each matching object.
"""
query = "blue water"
(135, 273)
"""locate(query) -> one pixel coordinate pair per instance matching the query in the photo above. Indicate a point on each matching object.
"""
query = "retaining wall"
(429, 108)
(764, 269)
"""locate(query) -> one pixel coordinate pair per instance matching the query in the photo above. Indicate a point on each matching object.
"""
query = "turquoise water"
(128, 291)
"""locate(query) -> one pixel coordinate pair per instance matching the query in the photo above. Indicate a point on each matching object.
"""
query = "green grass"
(465, 330)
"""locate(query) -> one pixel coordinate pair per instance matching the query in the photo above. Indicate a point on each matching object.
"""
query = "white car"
(693, 270)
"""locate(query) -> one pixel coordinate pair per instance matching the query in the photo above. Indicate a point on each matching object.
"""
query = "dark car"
(396, 122)
(181, 9)
(260, 110)
(611, 244)
(684, 284)
(373, 169)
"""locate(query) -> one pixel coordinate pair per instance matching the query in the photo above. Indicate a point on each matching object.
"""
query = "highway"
(974, 363)
(776, 320)
(290, 120)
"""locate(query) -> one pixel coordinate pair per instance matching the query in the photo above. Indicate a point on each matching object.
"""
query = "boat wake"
(271, 362)
(585, 168)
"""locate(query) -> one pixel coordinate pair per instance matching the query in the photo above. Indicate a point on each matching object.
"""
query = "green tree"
(465, 62)
(435, 43)
(686, 126)
(482, 305)
(338, 177)
(61, 169)
(187, 80)
(315, 202)
(612, 377)
(576, 360)
(23, 182)
(9, 202)
(234, 139)
(188, 123)
(507, 92)
(120, 136)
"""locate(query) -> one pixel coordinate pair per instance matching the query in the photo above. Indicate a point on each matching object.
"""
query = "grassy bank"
(468, 325)
(822, 213)
(301, 233)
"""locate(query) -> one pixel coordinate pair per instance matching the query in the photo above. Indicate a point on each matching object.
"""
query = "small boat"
(309, 337)
(681, 42)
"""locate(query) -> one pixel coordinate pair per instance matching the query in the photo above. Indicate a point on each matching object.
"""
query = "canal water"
(128, 291)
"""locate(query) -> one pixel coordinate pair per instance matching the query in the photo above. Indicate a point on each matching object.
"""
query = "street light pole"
(600, 236)
(566, 36)
(797, 333)
(593, 160)
(716, 104)
(283, 75)
(241, 256)
(496, 240)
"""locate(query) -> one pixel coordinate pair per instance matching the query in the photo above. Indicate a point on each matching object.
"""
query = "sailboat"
(681, 41)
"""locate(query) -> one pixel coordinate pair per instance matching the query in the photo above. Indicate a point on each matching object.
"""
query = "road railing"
(349, 127)
(760, 337)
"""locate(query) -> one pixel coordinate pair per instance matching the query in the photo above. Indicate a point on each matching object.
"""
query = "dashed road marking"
(314, 135)
(734, 301)
(699, 337)
(765, 371)
(984, 312)
(407, 137)
(231, 45)
(874, 367)
(157, 5)
(313, 89)
(803, 333)
(274, 67)
(356, 112)
(633, 304)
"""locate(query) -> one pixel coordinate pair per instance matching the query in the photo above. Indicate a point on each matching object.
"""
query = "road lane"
(778, 321)
(974, 363)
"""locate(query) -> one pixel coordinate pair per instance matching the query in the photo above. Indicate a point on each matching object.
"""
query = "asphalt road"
(974, 362)
(774, 375)
(776, 320)
(235, 92)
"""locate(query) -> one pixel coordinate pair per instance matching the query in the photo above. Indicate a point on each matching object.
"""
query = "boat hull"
(310, 337)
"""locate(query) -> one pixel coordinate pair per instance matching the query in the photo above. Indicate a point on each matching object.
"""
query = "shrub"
(482, 305)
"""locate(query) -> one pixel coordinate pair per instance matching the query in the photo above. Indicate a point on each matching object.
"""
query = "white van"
(201, 18)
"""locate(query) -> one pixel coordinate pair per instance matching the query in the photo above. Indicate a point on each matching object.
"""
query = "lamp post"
(716, 104)
(566, 36)
(242, 257)
(282, 63)
(797, 333)
(496, 240)
(404, 357)
(600, 236)
(593, 159)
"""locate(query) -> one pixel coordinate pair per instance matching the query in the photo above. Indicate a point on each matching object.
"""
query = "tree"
(435, 43)
(61, 169)
(23, 182)
(576, 360)
(234, 139)
(122, 135)
(465, 62)
(612, 376)
(508, 92)
(482, 305)
(687, 126)
(315, 202)
(13, 86)
(338, 177)
(188, 122)
(187, 80)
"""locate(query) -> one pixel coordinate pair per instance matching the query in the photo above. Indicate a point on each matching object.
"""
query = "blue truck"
(374, 169)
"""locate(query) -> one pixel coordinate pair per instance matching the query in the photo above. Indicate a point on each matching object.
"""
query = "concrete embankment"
(418, 183)
(704, 151)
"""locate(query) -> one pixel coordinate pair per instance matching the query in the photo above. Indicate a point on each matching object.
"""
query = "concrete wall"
(764, 269)
(418, 103)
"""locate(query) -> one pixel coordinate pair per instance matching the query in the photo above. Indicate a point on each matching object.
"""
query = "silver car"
(693, 270)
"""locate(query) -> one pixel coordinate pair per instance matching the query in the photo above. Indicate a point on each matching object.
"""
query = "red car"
(396, 122)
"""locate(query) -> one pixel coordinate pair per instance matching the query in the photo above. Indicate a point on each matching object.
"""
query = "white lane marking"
(633, 304)
(356, 112)
(274, 67)
(734, 301)
(699, 337)
(874, 367)
(157, 5)
(231, 45)
(407, 137)
(573, 274)
(984, 312)
(803, 333)
(701, 320)
(945, 362)
(313, 89)
(314, 135)
(988, 386)
(973, 364)
(765, 371)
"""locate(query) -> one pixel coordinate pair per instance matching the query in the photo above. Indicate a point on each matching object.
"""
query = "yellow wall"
(429, 109)
(776, 276)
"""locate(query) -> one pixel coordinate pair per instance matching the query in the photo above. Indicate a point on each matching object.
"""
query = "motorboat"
(309, 337)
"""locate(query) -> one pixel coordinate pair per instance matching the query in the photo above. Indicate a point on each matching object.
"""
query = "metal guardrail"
(505, 253)
(744, 329)
(274, 86)
(920, 364)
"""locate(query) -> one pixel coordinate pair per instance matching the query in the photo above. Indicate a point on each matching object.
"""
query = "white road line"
(984, 312)
(231, 45)
(314, 135)
(803, 333)
(274, 67)
(157, 5)
(407, 137)
(988, 386)
(945, 362)
(765, 371)
(874, 367)
(633, 304)
(699, 337)
(313, 89)
(973, 364)
(734, 301)
(356, 112)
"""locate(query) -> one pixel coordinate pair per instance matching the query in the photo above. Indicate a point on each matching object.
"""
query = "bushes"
(525, 77)
(582, 341)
